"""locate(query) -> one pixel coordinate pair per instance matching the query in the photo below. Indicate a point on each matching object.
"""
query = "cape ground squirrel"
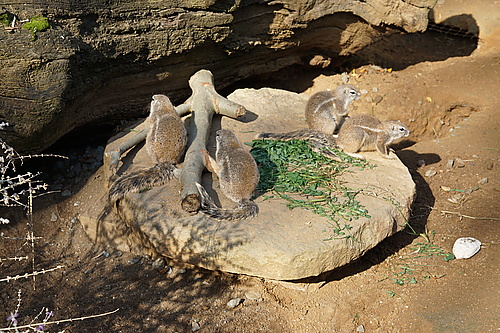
(325, 113)
(361, 132)
(364, 132)
(326, 110)
(238, 176)
(165, 145)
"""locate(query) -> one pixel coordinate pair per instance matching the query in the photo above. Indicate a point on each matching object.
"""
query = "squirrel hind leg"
(205, 199)
(361, 157)
(383, 148)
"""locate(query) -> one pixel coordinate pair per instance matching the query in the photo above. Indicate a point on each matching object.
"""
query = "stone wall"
(102, 60)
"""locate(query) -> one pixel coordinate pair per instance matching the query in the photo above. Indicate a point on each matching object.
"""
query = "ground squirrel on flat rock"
(238, 176)
(326, 110)
(361, 132)
(364, 132)
(165, 144)
(325, 113)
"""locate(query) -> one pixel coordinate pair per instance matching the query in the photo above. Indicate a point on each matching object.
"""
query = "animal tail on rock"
(139, 181)
(246, 208)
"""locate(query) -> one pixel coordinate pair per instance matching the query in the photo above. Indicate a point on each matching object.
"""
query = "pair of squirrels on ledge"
(166, 143)
(326, 112)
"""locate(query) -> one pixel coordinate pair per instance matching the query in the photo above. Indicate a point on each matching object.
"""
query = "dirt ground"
(449, 99)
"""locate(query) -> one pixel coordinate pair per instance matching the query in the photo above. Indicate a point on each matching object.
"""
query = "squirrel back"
(326, 110)
(364, 132)
(165, 144)
(238, 177)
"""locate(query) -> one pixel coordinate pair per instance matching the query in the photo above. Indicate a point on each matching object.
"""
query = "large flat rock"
(280, 243)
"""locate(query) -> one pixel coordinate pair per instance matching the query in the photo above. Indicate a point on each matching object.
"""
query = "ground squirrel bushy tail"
(246, 208)
(319, 142)
(141, 180)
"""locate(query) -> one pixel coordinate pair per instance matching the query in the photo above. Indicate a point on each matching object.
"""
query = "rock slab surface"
(280, 243)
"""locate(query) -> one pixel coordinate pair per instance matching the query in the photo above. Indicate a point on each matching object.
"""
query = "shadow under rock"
(440, 42)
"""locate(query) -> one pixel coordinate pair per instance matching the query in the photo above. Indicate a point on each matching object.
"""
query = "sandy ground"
(450, 103)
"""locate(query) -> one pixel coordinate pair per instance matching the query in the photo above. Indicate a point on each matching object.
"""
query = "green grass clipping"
(303, 178)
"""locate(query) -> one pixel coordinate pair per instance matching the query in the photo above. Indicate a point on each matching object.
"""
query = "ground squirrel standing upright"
(364, 132)
(238, 176)
(165, 143)
(326, 110)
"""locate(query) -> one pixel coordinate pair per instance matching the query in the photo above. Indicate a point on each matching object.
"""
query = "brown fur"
(238, 177)
(364, 132)
(165, 144)
(326, 110)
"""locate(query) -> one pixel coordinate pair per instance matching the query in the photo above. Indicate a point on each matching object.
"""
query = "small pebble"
(375, 89)
(377, 99)
(195, 326)
(483, 181)
(234, 303)
(253, 295)
(166, 270)
(466, 247)
(134, 260)
(53, 217)
(360, 328)
(450, 163)
(421, 163)
(456, 198)
(159, 263)
(430, 173)
(363, 91)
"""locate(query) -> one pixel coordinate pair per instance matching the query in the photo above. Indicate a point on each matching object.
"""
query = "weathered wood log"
(203, 103)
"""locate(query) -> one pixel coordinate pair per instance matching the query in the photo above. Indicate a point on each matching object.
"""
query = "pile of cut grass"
(303, 178)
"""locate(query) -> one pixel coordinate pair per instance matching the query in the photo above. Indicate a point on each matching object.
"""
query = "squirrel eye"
(402, 129)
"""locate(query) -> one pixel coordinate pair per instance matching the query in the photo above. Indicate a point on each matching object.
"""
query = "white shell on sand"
(466, 247)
